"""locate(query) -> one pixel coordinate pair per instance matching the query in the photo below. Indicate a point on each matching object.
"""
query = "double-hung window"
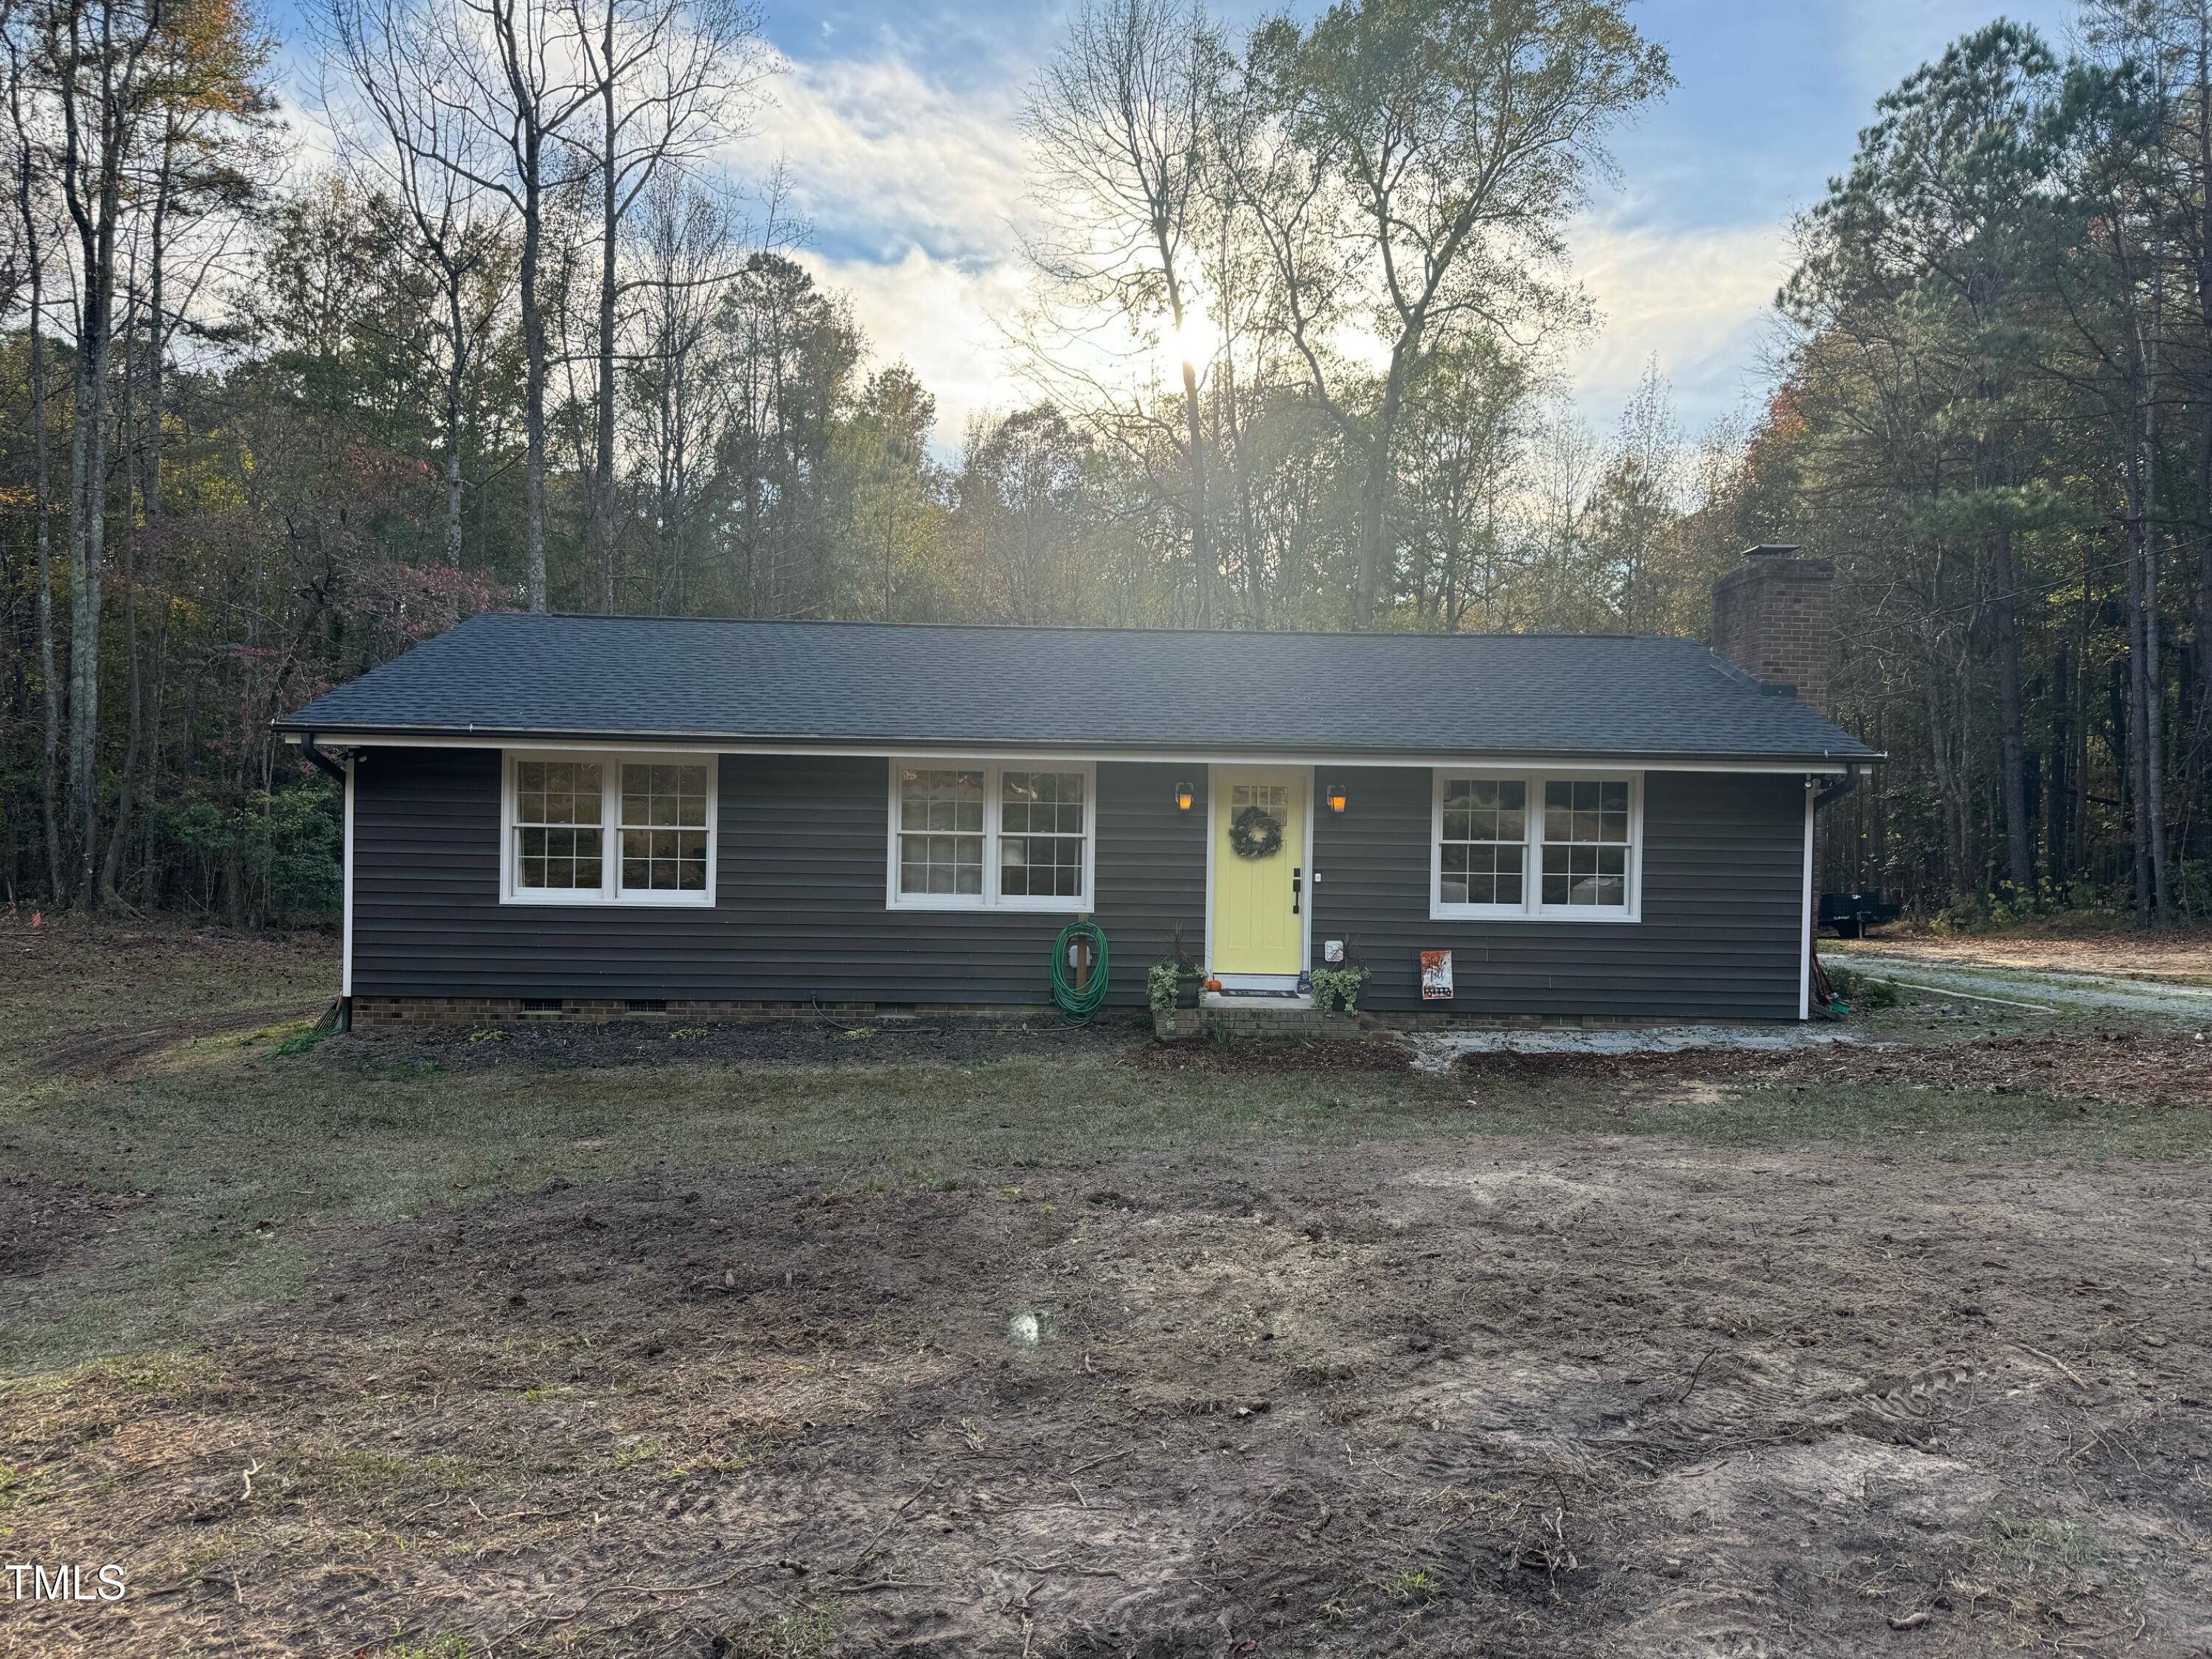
(601, 829)
(983, 836)
(1536, 845)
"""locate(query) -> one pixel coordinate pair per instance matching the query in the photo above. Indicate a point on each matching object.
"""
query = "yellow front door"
(1256, 925)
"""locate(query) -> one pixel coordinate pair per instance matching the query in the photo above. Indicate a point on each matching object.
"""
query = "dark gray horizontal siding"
(1723, 892)
(800, 908)
(1152, 867)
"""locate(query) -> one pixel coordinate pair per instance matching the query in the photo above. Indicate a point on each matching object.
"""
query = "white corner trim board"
(1805, 933)
(345, 944)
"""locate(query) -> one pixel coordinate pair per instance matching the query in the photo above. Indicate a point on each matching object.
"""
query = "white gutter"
(1555, 761)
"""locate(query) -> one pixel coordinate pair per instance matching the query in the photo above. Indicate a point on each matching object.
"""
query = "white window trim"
(990, 898)
(1532, 908)
(610, 891)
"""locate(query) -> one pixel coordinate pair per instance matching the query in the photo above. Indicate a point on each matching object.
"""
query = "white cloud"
(1699, 299)
(914, 192)
(939, 316)
(881, 157)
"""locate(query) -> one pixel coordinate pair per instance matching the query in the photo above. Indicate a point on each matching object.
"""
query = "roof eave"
(392, 733)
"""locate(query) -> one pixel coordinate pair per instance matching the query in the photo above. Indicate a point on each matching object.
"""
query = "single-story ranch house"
(606, 816)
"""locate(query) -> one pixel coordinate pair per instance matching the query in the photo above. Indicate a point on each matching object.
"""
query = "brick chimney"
(1772, 618)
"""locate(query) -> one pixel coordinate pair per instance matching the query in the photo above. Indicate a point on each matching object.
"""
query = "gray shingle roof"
(514, 675)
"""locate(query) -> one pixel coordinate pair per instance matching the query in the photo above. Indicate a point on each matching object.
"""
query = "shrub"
(1338, 987)
(1860, 992)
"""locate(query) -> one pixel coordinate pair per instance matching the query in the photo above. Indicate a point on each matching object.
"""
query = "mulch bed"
(574, 1044)
(2116, 1067)
(1275, 1054)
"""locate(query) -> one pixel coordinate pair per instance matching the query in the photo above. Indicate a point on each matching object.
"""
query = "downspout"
(344, 773)
(321, 760)
(1814, 801)
(1840, 788)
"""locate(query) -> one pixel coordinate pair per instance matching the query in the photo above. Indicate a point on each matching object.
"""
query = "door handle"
(1297, 886)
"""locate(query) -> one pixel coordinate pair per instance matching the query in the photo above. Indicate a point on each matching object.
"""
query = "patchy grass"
(2058, 943)
(803, 1635)
(231, 1144)
(543, 1347)
(69, 974)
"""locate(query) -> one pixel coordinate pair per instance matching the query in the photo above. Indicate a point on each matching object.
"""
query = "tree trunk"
(2059, 793)
(2019, 847)
(147, 448)
(100, 162)
(88, 553)
(533, 410)
(234, 876)
(1201, 539)
(1375, 492)
(457, 365)
(41, 503)
(2203, 741)
(111, 864)
(2152, 760)
(2137, 706)
(603, 456)
(111, 894)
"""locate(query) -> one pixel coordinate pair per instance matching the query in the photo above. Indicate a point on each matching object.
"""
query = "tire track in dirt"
(1610, 1397)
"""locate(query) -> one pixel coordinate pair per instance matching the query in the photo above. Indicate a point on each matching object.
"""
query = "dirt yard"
(1035, 1346)
(2184, 953)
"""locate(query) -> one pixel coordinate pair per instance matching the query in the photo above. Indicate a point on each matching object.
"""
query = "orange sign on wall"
(1435, 976)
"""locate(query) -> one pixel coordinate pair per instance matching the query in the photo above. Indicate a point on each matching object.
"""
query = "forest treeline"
(510, 333)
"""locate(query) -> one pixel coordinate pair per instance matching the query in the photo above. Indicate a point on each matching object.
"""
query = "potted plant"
(1190, 977)
(1174, 982)
(1341, 985)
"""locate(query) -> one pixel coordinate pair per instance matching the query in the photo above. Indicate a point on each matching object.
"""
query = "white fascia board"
(552, 744)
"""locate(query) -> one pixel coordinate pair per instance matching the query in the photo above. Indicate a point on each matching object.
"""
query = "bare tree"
(679, 402)
(1423, 160)
(433, 160)
(1119, 119)
(205, 168)
(669, 78)
(513, 68)
(95, 53)
(1637, 508)
(30, 212)
(1468, 430)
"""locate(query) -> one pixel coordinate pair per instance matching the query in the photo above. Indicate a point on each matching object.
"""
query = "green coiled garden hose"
(1081, 1004)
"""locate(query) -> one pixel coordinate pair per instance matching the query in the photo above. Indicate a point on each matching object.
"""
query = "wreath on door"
(1255, 833)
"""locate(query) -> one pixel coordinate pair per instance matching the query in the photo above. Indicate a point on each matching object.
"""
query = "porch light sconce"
(1184, 796)
(1335, 797)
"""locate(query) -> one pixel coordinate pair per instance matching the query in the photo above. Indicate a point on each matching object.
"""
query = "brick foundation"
(373, 1013)
(1290, 1021)
(1297, 1021)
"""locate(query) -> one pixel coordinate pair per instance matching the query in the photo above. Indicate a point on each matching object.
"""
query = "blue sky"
(896, 118)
